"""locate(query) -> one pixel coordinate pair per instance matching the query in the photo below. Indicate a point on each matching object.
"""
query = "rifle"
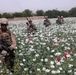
(29, 20)
(5, 46)
(26, 18)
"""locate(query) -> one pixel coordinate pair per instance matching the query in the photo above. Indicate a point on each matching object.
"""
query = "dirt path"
(24, 18)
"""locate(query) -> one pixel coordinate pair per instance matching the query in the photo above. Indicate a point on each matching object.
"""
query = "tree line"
(50, 13)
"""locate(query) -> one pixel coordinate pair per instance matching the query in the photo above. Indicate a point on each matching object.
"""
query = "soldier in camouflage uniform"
(6, 35)
(31, 26)
(46, 22)
(60, 20)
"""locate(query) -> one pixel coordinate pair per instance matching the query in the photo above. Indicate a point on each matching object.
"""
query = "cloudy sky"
(20, 5)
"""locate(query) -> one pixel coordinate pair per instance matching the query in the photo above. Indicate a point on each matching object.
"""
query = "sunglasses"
(4, 24)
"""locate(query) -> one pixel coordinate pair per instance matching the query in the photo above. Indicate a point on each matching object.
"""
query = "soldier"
(58, 21)
(7, 39)
(62, 20)
(46, 22)
(31, 26)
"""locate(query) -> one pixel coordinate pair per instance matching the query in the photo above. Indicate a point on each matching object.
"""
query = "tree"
(40, 13)
(72, 12)
(0, 15)
(48, 13)
(7, 15)
(55, 13)
(64, 13)
(27, 13)
(18, 14)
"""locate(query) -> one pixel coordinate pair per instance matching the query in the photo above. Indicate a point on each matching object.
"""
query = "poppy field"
(49, 51)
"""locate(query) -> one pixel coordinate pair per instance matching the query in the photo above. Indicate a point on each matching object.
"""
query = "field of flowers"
(49, 51)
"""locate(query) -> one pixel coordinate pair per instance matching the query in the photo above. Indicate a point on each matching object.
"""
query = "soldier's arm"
(44, 23)
(34, 26)
(49, 22)
(13, 38)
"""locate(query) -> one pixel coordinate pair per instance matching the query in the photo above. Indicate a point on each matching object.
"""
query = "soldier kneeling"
(31, 26)
(46, 22)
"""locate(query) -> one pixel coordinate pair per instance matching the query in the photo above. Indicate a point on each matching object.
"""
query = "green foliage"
(7, 15)
(55, 13)
(64, 13)
(72, 12)
(50, 13)
(0, 16)
(40, 13)
(38, 56)
(18, 14)
(27, 13)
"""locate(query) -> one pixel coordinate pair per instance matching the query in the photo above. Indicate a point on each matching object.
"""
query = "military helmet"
(3, 21)
(46, 17)
(62, 17)
(30, 21)
(58, 16)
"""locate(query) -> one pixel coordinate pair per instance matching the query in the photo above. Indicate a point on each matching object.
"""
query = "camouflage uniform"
(60, 20)
(11, 40)
(46, 22)
(31, 26)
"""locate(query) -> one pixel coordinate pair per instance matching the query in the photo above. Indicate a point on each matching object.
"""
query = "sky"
(34, 5)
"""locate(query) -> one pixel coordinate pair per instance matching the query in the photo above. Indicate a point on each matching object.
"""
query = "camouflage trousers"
(9, 61)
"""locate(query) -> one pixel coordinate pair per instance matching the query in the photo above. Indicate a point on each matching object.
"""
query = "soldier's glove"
(11, 48)
(4, 53)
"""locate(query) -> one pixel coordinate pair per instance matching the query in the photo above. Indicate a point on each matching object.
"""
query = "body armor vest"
(6, 36)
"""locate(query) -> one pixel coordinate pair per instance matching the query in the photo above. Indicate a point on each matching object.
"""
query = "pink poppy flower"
(70, 52)
(65, 54)
(56, 44)
(61, 40)
(30, 38)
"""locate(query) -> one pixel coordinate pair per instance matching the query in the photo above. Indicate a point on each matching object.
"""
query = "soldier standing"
(7, 39)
